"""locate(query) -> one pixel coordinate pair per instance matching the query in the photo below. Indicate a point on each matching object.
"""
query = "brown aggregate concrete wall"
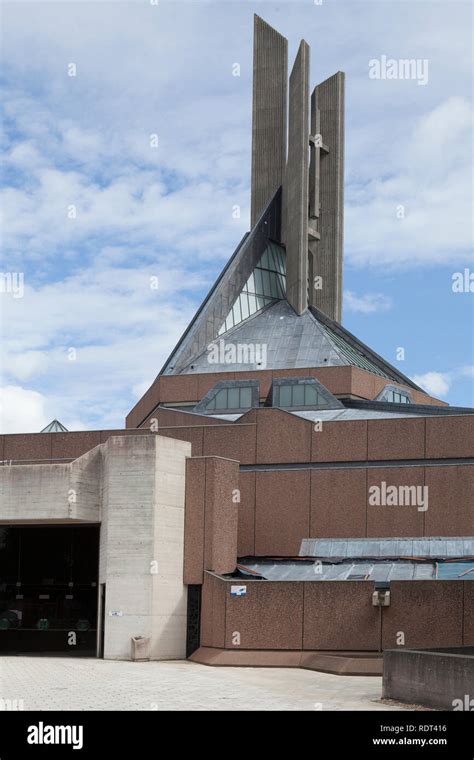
(340, 616)
(428, 613)
(451, 495)
(246, 527)
(396, 439)
(338, 503)
(45, 448)
(337, 442)
(237, 442)
(334, 615)
(335, 504)
(272, 436)
(282, 437)
(270, 616)
(468, 624)
(387, 520)
(450, 436)
(211, 515)
(213, 603)
(282, 513)
(344, 380)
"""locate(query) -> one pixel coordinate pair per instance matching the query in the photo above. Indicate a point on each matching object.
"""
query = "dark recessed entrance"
(48, 589)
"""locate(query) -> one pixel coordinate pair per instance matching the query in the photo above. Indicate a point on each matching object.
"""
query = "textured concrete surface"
(339, 441)
(428, 613)
(385, 520)
(331, 492)
(52, 492)
(396, 439)
(269, 114)
(314, 615)
(449, 437)
(295, 186)
(282, 506)
(46, 683)
(267, 617)
(142, 539)
(328, 251)
(451, 498)
(436, 679)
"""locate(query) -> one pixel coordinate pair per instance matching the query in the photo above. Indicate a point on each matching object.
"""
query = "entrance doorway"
(48, 589)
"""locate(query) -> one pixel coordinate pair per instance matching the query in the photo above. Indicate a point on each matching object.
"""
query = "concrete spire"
(269, 114)
(327, 195)
(295, 186)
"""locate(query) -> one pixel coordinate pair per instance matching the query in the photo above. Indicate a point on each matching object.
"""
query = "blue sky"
(90, 334)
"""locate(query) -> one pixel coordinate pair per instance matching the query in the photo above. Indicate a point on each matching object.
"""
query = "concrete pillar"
(295, 187)
(269, 114)
(327, 251)
(141, 545)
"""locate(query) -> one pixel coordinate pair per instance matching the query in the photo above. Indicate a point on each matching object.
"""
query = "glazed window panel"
(221, 399)
(298, 395)
(233, 398)
(245, 398)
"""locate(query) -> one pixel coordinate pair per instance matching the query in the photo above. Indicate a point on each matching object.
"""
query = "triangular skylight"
(266, 284)
(54, 427)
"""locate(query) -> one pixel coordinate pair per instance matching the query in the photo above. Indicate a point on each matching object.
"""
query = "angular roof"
(248, 306)
(356, 570)
(295, 341)
(389, 548)
(54, 427)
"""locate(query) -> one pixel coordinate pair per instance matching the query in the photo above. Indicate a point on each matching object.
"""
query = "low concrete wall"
(333, 615)
(435, 678)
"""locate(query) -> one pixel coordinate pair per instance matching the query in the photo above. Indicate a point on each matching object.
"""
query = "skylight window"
(266, 284)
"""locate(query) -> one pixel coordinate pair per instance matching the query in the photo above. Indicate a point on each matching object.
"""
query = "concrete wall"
(279, 508)
(52, 493)
(333, 615)
(443, 680)
(142, 547)
(212, 514)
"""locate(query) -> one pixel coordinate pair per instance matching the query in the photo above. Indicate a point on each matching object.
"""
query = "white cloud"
(420, 211)
(435, 383)
(22, 410)
(369, 303)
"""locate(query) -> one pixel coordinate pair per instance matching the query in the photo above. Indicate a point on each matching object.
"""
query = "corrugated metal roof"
(436, 548)
(377, 570)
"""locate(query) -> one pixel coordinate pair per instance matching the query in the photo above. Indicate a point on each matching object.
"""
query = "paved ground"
(54, 683)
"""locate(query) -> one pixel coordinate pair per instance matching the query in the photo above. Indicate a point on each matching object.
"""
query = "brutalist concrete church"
(281, 495)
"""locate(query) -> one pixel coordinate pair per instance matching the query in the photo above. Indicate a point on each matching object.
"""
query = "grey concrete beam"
(269, 114)
(295, 187)
(327, 191)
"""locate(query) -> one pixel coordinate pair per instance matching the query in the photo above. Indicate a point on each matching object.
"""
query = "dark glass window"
(299, 395)
(231, 398)
(396, 397)
(48, 588)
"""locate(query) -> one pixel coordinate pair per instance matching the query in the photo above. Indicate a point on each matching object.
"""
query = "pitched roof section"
(54, 427)
(286, 340)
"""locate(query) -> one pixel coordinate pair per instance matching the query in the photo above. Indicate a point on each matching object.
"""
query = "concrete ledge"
(440, 678)
(342, 663)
